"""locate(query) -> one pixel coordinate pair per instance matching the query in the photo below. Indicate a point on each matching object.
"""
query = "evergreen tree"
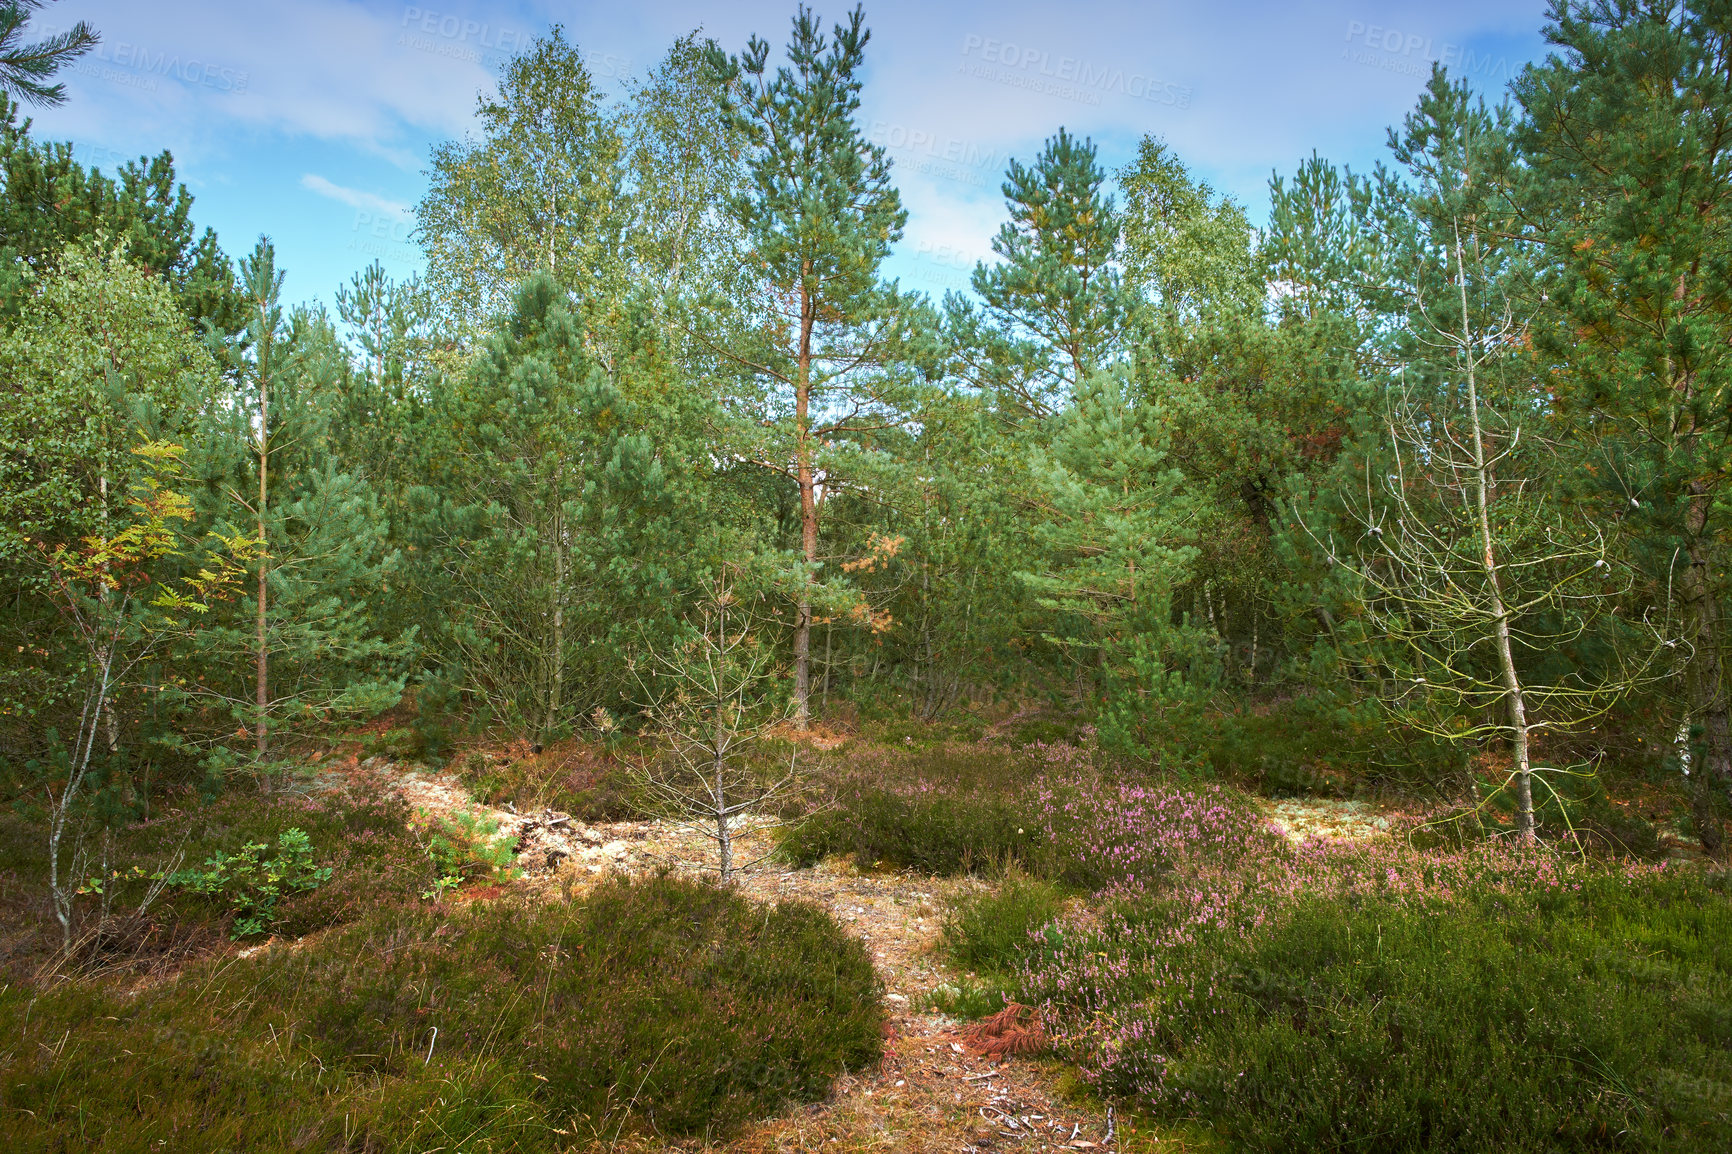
(48, 201)
(1324, 249)
(563, 526)
(26, 69)
(1113, 523)
(819, 218)
(1628, 133)
(1055, 308)
(321, 554)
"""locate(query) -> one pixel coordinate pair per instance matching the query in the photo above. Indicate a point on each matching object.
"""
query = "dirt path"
(931, 1091)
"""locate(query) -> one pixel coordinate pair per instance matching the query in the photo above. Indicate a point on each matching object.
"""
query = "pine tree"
(563, 527)
(1628, 132)
(49, 201)
(1324, 248)
(1055, 308)
(321, 553)
(26, 69)
(1112, 523)
(819, 219)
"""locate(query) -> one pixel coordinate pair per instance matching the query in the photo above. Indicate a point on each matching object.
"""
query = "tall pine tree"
(819, 218)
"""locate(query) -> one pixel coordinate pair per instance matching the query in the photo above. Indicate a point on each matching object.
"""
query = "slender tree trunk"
(724, 835)
(556, 666)
(111, 722)
(826, 690)
(719, 751)
(808, 508)
(1488, 558)
(264, 556)
(1707, 678)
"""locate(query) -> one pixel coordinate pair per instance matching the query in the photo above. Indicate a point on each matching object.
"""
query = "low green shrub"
(989, 932)
(1580, 1009)
(360, 836)
(426, 741)
(934, 831)
(1320, 745)
(254, 878)
(665, 1006)
(965, 998)
(574, 778)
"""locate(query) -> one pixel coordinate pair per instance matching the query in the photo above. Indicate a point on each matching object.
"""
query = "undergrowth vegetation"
(582, 780)
(159, 890)
(1351, 997)
(663, 1006)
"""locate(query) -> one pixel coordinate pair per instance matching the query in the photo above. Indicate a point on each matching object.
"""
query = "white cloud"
(354, 197)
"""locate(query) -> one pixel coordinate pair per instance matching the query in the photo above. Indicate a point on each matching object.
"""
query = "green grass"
(665, 1006)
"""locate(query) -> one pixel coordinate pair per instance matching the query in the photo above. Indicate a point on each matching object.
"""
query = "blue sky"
(312, 120)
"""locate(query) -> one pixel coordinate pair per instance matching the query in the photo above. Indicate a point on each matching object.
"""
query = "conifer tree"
(48, 200)
(320, 549)
(819, 217)
(1111, 519)
(1628, 133)
(26, 69)
(1055, 307)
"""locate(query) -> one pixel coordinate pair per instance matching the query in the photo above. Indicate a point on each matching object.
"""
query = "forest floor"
(934, 1090)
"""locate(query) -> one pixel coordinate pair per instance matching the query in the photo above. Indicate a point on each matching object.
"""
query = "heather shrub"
(359, 836)
(937, 830)
(989, 931)
(664, 1005)
(1097, 833)
(1374, 998)
(1045, 810)
(943, 808)
(571, 777)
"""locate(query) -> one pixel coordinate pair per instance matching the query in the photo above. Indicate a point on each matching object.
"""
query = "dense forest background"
(1426, 480)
